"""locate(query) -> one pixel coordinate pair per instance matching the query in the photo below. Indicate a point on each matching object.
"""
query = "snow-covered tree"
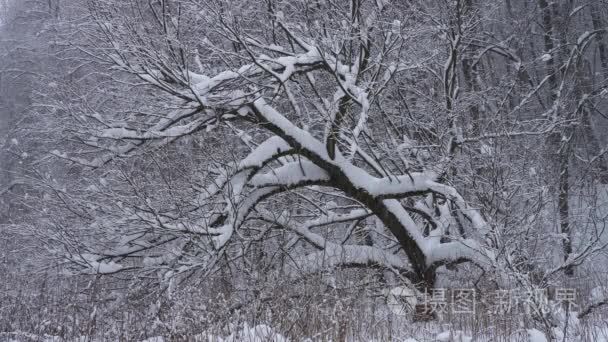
(306, 107)
(235, 143)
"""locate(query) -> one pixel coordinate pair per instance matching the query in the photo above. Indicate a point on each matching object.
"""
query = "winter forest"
(304, 170)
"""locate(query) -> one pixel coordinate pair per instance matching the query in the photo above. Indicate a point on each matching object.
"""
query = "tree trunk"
(558, 142)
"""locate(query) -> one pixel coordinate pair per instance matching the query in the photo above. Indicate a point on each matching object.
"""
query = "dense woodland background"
(179, 168)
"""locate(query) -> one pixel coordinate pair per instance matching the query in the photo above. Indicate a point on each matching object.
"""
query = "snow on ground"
(259, 333)
(264, 333)
(453, 336)
(536, 336)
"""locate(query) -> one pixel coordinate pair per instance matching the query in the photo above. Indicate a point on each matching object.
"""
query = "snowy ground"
(264, 333)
